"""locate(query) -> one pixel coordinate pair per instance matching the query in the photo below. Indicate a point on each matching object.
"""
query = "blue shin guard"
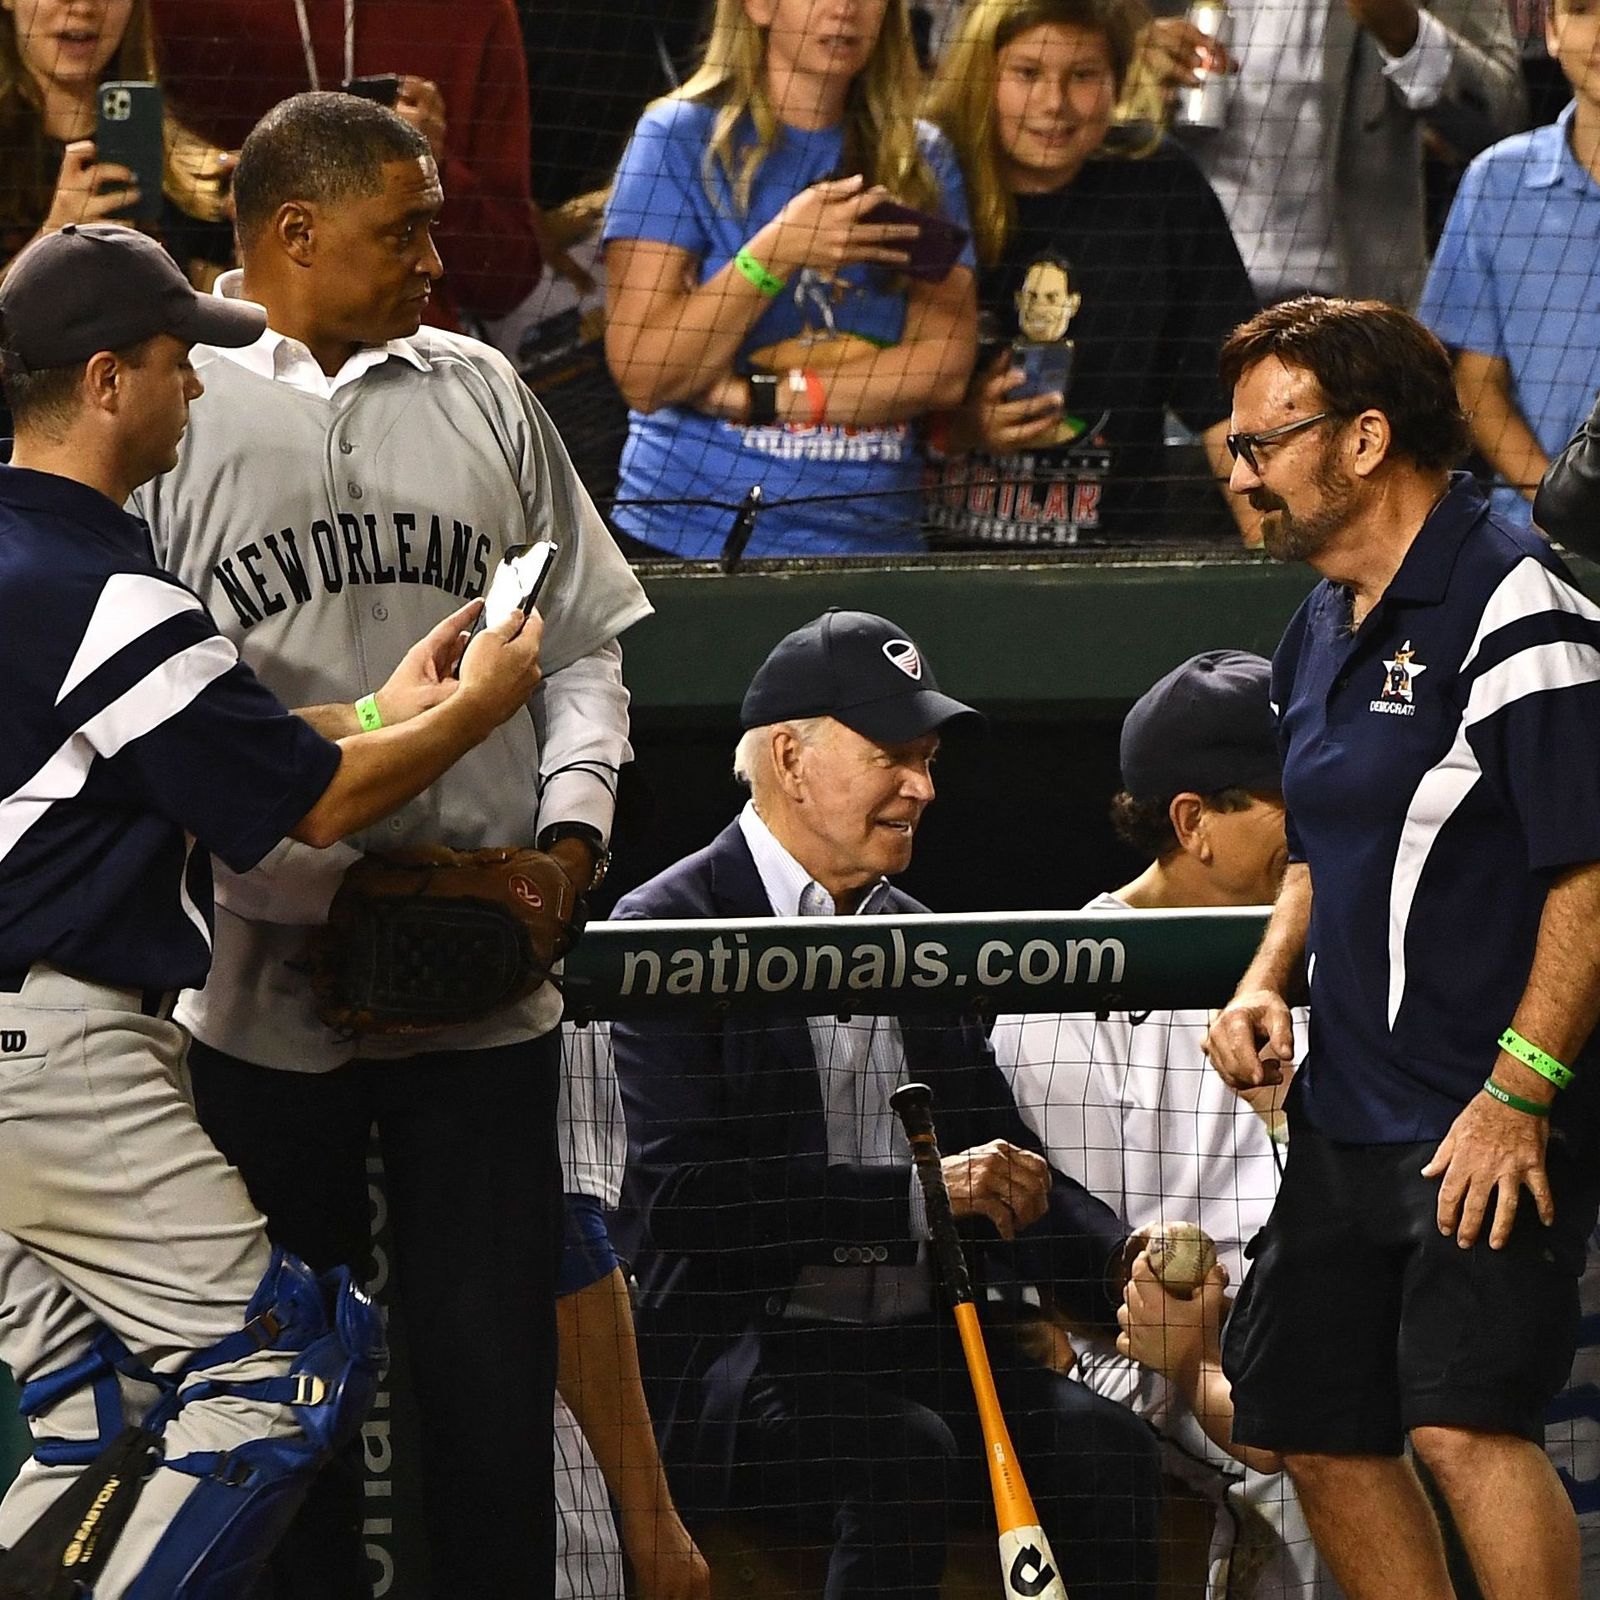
(245, 1497)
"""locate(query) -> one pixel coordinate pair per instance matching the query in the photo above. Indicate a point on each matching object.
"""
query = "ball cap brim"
(96, 286)
(860, 669)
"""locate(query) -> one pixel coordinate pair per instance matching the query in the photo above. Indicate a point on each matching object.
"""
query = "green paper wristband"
(1515, 1101)
(1530, 1055)
(769, 283)
(367, 713)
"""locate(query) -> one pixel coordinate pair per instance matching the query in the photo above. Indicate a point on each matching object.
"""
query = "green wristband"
(768, 283)
(1515, 1101)
(1530, 1055)
(367, 713)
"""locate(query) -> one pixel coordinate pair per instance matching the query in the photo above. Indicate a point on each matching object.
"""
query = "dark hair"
(1145, 826)
(1364, 354)
(46, 400)
(319, 147)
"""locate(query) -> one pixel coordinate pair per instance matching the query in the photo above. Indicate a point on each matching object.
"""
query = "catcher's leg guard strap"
(59, 1557)
(226, 1527)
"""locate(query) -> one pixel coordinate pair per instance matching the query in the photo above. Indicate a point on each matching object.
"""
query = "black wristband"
(763, 399)
(588, 835)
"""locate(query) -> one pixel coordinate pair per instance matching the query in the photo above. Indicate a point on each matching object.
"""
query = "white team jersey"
(327, 532)
(1129, 1106)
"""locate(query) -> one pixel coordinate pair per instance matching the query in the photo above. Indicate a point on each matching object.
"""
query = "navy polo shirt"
(1441, 764)
(136, 742)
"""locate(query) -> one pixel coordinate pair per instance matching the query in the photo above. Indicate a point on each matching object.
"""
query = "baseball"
(1180, 1255)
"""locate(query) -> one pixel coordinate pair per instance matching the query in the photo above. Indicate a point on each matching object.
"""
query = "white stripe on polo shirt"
(130, 605)
(161, 694)
(1529, 589)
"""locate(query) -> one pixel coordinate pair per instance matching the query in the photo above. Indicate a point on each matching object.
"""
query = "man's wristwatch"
(589, 836)
(763, 411)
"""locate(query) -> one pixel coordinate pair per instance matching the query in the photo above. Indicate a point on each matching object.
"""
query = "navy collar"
(25, 489)
(1424, 575)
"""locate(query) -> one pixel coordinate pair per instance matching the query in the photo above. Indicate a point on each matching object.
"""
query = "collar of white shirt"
(791, 890)
(284, 360)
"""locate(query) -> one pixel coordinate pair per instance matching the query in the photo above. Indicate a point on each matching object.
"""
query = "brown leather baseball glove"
(424, 938)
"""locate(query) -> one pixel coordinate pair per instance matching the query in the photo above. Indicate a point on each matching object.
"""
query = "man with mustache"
(792, 1350)
(1438, 699)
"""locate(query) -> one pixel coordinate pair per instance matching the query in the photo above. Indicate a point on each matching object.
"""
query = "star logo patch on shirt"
(1400, 674)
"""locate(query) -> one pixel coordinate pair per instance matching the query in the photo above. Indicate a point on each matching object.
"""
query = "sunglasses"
(1244, 445)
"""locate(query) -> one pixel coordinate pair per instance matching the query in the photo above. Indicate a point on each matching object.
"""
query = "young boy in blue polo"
(1515, 287)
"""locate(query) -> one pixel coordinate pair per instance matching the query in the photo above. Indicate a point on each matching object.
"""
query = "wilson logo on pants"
(13, 1042)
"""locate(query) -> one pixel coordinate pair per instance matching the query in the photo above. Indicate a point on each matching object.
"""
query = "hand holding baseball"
(1169, 1334)
(1181, 1255)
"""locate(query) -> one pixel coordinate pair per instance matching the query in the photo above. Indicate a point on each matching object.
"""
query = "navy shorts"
(1359, 1320)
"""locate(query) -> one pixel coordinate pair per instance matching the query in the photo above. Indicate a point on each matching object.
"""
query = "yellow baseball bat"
(1027, 1564)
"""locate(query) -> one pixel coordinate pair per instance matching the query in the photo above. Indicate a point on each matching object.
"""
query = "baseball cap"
(96, 286)
(1207, 725)
(858, 668)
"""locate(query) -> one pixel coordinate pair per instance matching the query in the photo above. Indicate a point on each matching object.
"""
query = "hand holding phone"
(1046, 366)
(516, 584)
(129, 132)
(937, 246)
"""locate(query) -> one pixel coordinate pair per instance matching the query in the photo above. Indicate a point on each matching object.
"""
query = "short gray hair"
(753, 742)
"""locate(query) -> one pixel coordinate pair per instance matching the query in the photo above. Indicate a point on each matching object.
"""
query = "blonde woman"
(757, 322)
(1108, 280)
(54, 54)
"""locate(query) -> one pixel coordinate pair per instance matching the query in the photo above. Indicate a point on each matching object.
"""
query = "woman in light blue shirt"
(759, 322)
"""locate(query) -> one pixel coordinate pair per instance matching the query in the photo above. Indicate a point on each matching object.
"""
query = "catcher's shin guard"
(226, 1528)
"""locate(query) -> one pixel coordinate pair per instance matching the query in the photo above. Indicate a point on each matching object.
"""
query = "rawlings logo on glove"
(425, 938)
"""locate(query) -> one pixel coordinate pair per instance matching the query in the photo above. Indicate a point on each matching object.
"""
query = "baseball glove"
(424, 938)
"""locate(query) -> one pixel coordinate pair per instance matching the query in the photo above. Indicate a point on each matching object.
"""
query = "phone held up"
(129, 132)
(384, 87)
(516, 584)
(937, 246)
(1046, 367)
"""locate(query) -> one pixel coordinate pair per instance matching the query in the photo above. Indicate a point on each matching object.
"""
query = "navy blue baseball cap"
(1207, 725)
(861, 669)
(95, 286)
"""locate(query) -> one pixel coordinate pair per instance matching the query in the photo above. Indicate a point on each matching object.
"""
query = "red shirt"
(226, 62)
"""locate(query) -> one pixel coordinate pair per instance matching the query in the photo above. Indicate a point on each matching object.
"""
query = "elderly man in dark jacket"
(795, 1355)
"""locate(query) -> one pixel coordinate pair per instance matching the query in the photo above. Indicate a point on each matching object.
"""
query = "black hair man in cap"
(792, 1346)
(138, 1283)
(1127, 1104)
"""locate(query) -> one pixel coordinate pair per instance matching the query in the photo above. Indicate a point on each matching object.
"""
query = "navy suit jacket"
(729, 1191)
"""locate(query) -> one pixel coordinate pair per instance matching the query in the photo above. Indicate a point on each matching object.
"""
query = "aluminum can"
(1206, 105)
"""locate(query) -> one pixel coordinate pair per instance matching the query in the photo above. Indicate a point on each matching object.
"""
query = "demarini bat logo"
(1030, 1573)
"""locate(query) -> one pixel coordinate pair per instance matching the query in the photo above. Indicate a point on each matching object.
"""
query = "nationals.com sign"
(1079, 961)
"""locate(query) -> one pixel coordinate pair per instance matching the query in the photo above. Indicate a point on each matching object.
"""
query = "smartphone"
(1046, 367)
(384, 87)
(129, 130)
(516, 584)
(937, 246)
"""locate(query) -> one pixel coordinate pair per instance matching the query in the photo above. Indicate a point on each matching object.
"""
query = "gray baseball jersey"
(328, 526)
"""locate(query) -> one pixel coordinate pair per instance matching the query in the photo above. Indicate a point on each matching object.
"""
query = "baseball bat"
(1027, 1564)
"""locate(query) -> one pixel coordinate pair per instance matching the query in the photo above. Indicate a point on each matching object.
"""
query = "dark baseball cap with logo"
(860, 669)
(95, 286)
(1206, 726)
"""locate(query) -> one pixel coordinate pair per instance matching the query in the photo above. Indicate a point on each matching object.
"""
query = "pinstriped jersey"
(133, 733)
(1441, 764)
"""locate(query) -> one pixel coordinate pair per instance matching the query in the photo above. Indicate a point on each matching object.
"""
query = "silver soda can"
(1206, 105)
